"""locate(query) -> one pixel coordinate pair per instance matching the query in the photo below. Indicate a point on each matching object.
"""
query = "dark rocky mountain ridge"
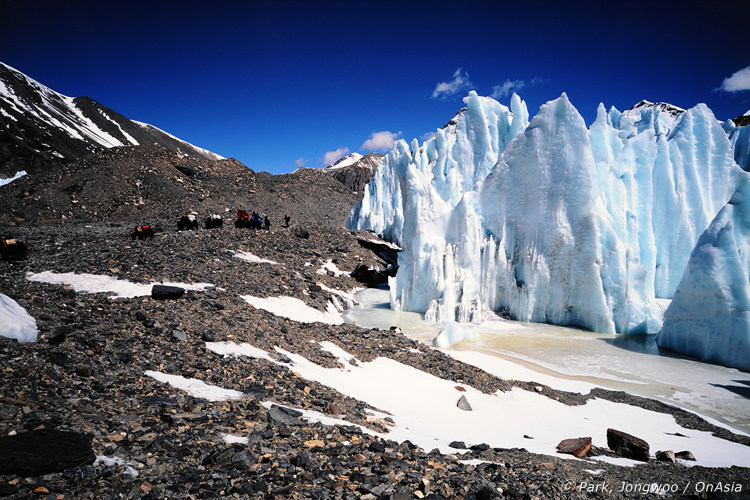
(40, 127)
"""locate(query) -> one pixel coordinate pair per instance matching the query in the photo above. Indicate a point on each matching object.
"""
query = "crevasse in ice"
(709, 316)
(550, 221)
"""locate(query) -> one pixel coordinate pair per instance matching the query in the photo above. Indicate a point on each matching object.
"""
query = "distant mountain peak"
(355, 170)
(664, 107)
(346, 161)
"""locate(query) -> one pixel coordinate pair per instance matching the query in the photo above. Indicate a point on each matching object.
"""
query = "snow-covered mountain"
(548, 220)
(37, 123)
(355, 170)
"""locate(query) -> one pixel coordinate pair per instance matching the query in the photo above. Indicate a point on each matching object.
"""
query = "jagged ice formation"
(550, 221)
(709, 316)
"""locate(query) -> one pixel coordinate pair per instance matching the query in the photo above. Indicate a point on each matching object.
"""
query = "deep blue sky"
(280, 83)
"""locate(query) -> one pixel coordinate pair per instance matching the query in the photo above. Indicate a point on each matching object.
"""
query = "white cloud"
(381, 141)
(504, 90)
(460, 83)
(427, 136)
(301, 162)
(332, 157)
(738, 82)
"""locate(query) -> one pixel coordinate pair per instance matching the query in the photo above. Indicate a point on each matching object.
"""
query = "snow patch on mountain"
(345, 161)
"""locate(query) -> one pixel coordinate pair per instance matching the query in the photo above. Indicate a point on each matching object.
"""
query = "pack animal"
(187, 222)
(214, 221)
(243, 219)
(12, 249)
(142, 232)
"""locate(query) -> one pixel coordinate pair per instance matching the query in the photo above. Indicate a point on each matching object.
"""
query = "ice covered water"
(572, 359)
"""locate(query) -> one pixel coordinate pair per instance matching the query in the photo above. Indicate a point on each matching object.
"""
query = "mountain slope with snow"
(38, 124)
(355, 170)
(559, 223)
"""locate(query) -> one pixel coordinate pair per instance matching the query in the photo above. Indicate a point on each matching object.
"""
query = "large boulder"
(627, 445)
(44, 451)
(161, 292)
(578, 447)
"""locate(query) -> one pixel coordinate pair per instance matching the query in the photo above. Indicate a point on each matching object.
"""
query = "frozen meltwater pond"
(576, 360)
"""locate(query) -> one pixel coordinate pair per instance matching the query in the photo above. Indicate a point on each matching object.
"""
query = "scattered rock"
(578, 447)
(284, 415)
(627, 445)
(463, 404)
(665, 456)
(301, 232)
(685, 455)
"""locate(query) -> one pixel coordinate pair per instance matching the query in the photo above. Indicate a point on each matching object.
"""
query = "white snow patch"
(232, 349)
(347, 296)
(98, 283)
(595, 472)
(194, 387)
(15, 322)
(232, 439)
(116, 462)
(19, 174)
(249, 257)
(293, 308)
(330, 266)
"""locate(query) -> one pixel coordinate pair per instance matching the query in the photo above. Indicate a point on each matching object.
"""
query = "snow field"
(424, 410)
(98, 283)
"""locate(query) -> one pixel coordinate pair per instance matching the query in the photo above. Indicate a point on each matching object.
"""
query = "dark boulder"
(44, 451)
(371, 276)
(161, 292)
(578, 447)
(284, 415)
(12, 249)
(627, 446)
(301, 232)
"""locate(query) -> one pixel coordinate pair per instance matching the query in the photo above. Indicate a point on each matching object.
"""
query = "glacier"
(549, 220)
(709, 316)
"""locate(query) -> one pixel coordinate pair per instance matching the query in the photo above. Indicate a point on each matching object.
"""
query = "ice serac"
(15, 322)
(739, 134)
(444, 167)
(709, 316)
(571, 225)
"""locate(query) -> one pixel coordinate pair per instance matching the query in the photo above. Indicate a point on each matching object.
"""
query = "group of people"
(256, 221)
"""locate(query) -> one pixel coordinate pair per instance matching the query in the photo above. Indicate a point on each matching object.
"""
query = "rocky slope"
(87, 373)
(355, 171)
(142, 183)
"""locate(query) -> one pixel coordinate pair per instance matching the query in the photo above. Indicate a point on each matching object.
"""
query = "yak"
(142, 232)
(214, 221)
(187, 222)
(12, 249)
